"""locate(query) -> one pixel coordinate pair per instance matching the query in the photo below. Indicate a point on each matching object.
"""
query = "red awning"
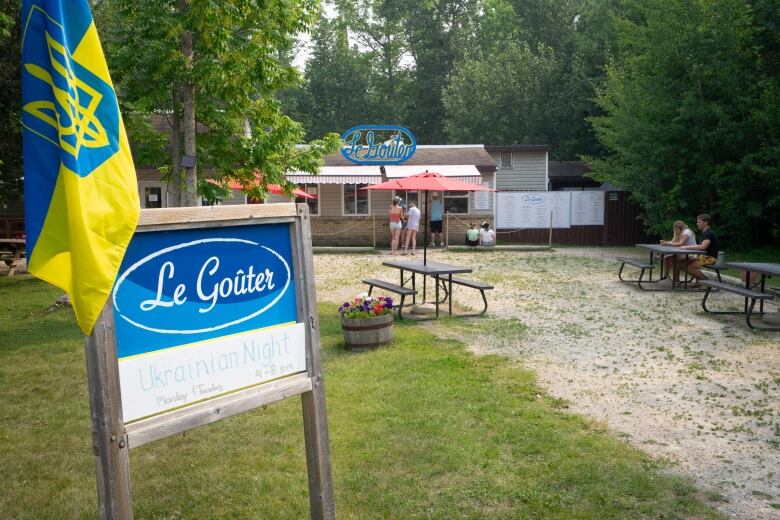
(276, 189)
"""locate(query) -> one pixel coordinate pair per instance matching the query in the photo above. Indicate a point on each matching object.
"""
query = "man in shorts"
(709, 245)
(437, 213)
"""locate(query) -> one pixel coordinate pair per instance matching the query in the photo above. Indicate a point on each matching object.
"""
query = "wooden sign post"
(213, 313)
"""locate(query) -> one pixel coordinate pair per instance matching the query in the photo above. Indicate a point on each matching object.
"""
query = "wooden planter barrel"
(364, 333)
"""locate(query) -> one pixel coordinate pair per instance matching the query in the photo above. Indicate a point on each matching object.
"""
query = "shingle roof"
(425, 155)
(567, 168)
(517, 148)
(570, 173)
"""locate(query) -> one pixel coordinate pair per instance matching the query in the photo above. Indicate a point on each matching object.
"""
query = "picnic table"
(440, 272)
(749, 291)
(15, 248)
(663, 251)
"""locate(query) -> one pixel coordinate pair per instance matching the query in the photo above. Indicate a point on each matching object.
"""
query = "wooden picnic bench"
(750, 296)
(640, 264)
(474, 284)
(388, 286)
(12, 253)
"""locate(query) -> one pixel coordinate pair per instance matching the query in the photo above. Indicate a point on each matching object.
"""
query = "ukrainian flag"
(80, 191)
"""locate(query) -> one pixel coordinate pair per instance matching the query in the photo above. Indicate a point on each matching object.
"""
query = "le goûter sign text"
(213, 313)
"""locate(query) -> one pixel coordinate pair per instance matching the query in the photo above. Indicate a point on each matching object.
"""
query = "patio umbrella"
(425, 182)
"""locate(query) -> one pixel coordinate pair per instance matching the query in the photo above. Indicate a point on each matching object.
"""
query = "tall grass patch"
(418, 429)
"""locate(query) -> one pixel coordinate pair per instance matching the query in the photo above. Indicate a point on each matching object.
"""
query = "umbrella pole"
(425, 231)
(425, 241)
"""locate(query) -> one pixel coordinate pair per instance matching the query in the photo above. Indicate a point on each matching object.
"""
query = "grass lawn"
(419, 429)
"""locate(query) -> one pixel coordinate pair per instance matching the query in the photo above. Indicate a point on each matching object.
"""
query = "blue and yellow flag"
(80, 191)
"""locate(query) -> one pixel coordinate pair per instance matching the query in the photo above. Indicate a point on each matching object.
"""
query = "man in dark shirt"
(709, 245)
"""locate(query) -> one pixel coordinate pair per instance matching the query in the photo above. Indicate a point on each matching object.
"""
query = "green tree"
(532, 73)
(690, 117)
(337, 92)
(439, 32)
(377, 29)
(494, 98)
(10, 102)
(234, 72)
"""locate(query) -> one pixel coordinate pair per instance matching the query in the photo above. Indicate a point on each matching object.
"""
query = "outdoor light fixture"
(382, 171)
(187, 161)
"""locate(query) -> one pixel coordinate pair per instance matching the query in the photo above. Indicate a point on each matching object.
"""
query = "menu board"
(482, 198)
(533, 209)
(587, 208)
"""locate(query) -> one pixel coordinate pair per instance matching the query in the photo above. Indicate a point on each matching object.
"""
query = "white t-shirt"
(690, 240)
(488, 237)
(413, 220)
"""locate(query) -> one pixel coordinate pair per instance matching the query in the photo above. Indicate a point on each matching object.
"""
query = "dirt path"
(696, 390)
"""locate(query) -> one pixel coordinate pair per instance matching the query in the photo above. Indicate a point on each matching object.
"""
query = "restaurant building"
(343, 214)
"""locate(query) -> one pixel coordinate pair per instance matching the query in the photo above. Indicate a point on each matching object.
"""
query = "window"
(153, 197)
(456, 202)
(355, 199)
(408, 196)
(506, 160)
(314, 204)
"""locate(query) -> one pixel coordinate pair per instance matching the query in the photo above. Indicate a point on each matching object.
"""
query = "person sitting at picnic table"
(472, 236)
(487, 237)
(710, 245)
(681, 236)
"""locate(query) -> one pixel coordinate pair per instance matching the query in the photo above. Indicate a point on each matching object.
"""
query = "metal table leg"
(450, 280)
(436, 278)
(651, 263)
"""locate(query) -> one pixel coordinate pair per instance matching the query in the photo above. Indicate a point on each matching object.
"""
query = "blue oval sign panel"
(202, 312)
(378, 144)
(201, 286)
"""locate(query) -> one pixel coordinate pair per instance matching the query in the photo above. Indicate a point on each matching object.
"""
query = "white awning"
(370, 174)
(334, 179)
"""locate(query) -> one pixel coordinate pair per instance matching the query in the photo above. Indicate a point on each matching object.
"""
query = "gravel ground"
(695, 390)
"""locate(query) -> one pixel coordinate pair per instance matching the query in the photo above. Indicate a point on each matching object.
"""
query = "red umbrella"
(272, 188)
(297, 192)
(427, 181)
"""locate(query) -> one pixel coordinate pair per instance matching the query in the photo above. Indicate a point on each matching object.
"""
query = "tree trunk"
(190, 191)
(389, 66)
(175, 181)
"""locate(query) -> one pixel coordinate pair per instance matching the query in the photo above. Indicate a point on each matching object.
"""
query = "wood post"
(315, 420)
(447, 231)
(549, 243)
(109, 439)
(373, 221)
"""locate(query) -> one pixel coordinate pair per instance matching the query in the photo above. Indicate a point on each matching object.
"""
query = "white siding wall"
(238, 198)
(528, 173)
(330, 200)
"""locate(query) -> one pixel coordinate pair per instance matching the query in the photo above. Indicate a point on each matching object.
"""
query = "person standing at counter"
(437, 213)
(396, 215)
(412, 226)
